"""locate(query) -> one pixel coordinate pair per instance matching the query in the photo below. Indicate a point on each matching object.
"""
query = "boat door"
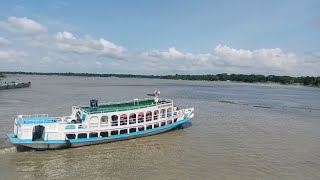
(38, 133)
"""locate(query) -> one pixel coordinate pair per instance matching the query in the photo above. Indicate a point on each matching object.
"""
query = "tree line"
(2, 75)
(305, 80)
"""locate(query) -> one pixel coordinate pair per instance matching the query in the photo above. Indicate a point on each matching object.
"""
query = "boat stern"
(13, 138)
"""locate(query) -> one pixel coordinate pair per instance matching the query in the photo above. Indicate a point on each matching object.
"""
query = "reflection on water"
(271, 132)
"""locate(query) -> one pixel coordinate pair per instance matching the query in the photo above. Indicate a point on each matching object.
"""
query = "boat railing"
(72, 127)
(59, 119)
(132, 120)
(126, 108)
(33, 116)
(38, 119)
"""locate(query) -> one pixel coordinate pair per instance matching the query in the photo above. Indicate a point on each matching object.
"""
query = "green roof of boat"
(124, 106)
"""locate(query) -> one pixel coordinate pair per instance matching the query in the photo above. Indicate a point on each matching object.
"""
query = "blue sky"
(161, 37)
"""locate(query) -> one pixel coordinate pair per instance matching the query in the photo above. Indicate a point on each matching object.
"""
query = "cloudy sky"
(279, 37)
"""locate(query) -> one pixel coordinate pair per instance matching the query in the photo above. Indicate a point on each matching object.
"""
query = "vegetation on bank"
(305, 80)
(2, 75)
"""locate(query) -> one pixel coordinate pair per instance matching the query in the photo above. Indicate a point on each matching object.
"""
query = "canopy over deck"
(123, 106)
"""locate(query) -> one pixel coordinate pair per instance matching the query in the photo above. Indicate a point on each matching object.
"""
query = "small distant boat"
(95, 124)
(13, 85)
(155, 94)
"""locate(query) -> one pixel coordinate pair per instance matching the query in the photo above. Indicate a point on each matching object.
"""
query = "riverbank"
(252, 78)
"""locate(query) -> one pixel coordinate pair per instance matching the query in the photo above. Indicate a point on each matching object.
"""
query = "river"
(240, 131)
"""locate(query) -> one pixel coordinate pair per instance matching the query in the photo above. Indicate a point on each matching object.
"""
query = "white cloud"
(64, 35)
(67, 42)
(4, 41)
(23, 25)
(53, 60)
(174, 59)
(228, 59)
(11, 55)
(260, 58)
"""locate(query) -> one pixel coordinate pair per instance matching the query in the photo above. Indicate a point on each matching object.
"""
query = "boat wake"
(228, 101)
(269, 106)
(238, 102)
(7, 150)
(261, 106)
(185, 125)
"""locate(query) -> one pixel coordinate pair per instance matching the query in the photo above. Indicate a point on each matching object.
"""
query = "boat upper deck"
(124, 106)
(37, 119)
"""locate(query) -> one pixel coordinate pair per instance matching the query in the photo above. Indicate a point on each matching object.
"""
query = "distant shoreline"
(252, 78)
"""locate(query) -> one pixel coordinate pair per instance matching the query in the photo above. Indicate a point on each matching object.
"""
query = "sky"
(280, 37)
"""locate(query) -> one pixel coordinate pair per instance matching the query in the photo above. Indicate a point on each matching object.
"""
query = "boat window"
(93, 134)
(70, 127)
(114, 132)
(104, 134)
(175, 119)
(141, 128)
(71, 136)
(156, 115)
(169, 112)
(123, 131)
(114, 120)
(132, 130)
(104, 119)
(149, 116)
(162, 113)
(82, 135)
(123, 119)
(169, 122)
(133, 118)
(94, 119)
(141, 117)
(156, 125)
(149, 127)
(163, 123)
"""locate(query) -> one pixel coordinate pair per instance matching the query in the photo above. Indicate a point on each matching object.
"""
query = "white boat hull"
(46, 145)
